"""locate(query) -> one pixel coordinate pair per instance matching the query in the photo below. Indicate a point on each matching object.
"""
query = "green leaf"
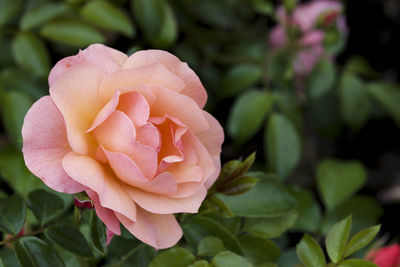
(238, 186)
(14, 106)
(337, 238)
(217, 206)
(8, 9)
(108, 16)
(235, 169)
(69, 238)
(282, 144)
(268, 198)
(388, 96)
(149, 15)
(365, 211)
(355, 105)
(258, 249)
(227, 258)
(197, 228)
(321, 79)
(210, 246)
(201, 263)
(288, 258)
(174, 257)
(270, 227)
(238, 78)
(15, 173)
(308, 209)
(9, 258)
(247, 115)
(310, 253)
(338, 180)
(360, 66)
(169, 29)
(31, 54)
(14, 79)
(1, 263)
(98, 234)
(357, 263)
(280, 66)
(12, 214)
(44, 205)
(71, 32)
(33, 252)
(39, 15)
(361, 239)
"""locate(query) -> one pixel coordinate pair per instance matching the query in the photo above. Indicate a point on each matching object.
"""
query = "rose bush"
(386, 256)
(131, 132)
(309, 22)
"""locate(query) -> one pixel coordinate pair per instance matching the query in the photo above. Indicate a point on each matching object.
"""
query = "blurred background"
(312, 88)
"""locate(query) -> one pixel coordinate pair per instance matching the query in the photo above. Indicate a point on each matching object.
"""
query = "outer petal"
(106, 58)
(166, 205)
(314, 37)
(277, 37)
(158, 230)
(76, 94)
(98, 178)
(212, 140)
(193, 87)
(307, 58)
(106, 215)
(46, 144)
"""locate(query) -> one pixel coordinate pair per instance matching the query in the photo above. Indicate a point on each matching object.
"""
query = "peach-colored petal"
(186, 173)
(45, 144)
(127, 171)
(165, 205)
(106, 58)
(178, 106)
(136, 107)
(157, 230)
(100, 179)
(212, 140)
(151, 74)
(149, 135)
(106, 111)
(193, 87)
(75, 94)
(117, 134)
(106, 215)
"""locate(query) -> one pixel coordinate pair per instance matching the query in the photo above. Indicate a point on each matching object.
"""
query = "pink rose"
(386, 256)
(305, 18)
(131, 132)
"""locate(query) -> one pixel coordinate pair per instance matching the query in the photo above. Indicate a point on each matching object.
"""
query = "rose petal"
(106, 58)
(151, 74)
(166, 205)
(106, 111)
(127, 171)
(106, 215)
(75, 94)
(193, 87)
(45, 144)
(135, 106)
(157, 230)
(149, 135)
(92, 174)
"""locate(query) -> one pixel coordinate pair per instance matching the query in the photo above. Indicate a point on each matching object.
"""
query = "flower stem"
(15, 238)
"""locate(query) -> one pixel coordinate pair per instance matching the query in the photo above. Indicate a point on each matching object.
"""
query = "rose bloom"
(386, 256)
(304, 18)
(131, 132)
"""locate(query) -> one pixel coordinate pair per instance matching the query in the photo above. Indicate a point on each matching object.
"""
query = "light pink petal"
(106, 215)
(193, 87)
(109, 235)
(306, 15)
(166, 205)
(75, 94)
(45, 144)
(157, 230)
(106, 111)
(149, 135)
(178, 106)
(314, 37)
(150, 74)
(136, 107)
(128, 172)
(212, 140)
(106, 58)
(277, 37)
(101, 180)
(306, 59)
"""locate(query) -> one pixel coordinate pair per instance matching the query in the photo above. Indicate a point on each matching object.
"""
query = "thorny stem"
(15, 238)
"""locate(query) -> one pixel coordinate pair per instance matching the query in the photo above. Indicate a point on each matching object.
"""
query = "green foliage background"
(250, 218)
